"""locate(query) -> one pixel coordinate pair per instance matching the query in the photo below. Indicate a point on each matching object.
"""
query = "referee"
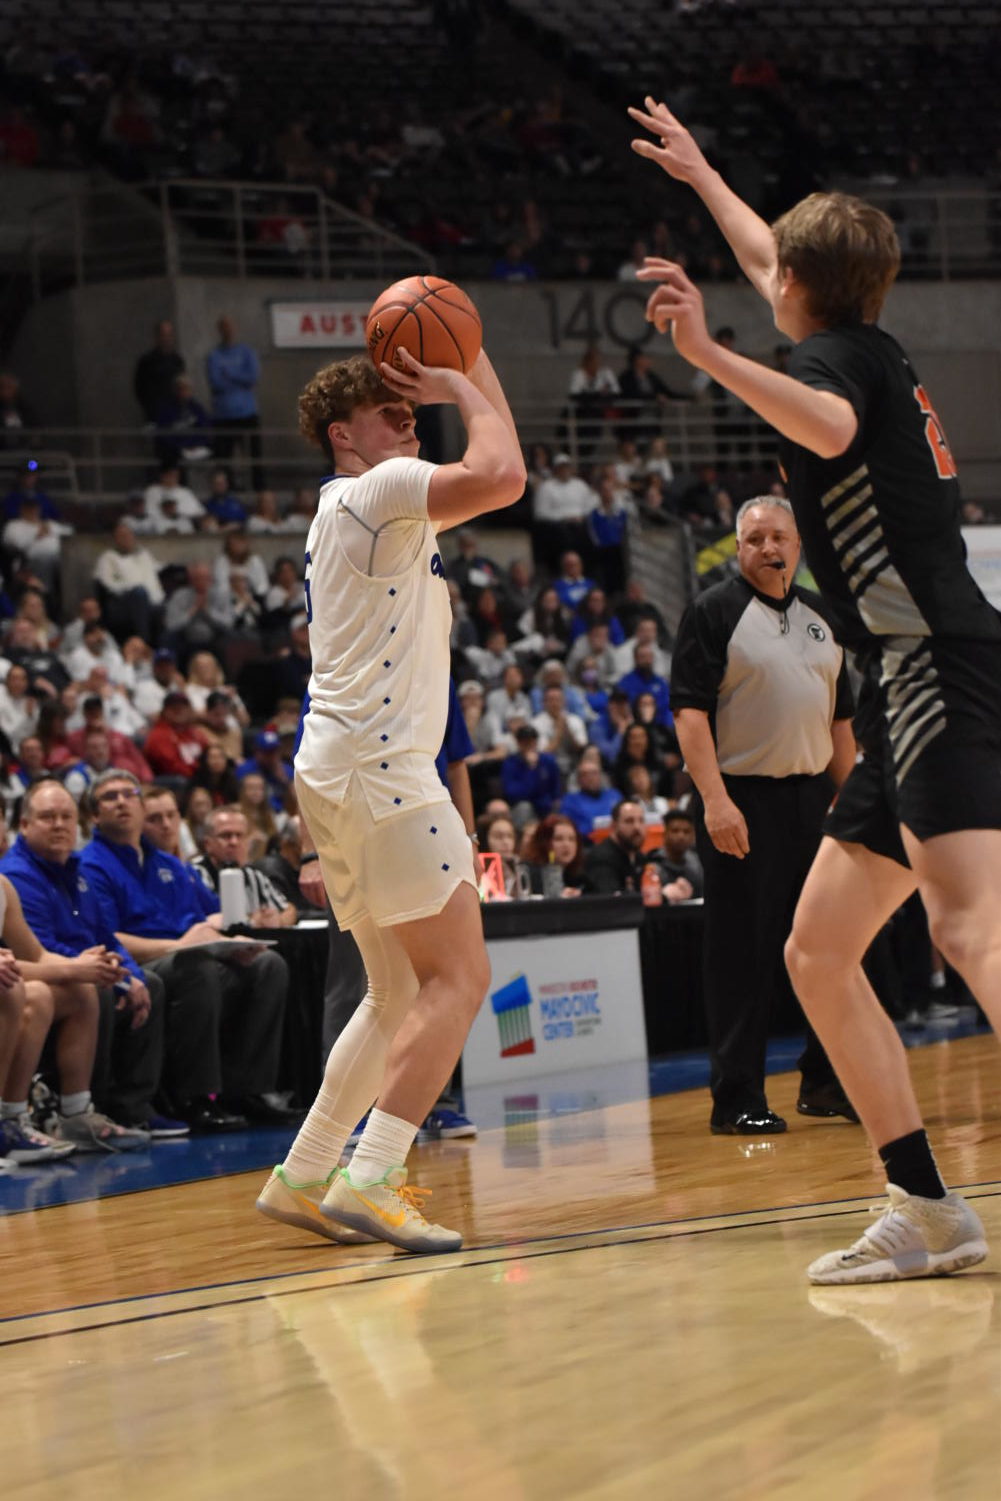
(762, 712)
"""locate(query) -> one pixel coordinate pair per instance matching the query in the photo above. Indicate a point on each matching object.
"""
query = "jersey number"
(945, 464)
(305, 585)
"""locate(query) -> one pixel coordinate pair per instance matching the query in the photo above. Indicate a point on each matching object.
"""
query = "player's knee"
(475, 980)
(958, 936)
(798, 957)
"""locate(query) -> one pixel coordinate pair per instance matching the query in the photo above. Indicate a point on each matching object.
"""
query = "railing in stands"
(193, 227)
(109, 462)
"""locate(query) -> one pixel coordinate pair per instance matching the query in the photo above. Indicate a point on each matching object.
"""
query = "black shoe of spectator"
(207, 1116)
(263, 1110)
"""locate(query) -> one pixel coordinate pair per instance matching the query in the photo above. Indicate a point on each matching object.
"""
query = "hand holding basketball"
(424, 385)
(431, 318)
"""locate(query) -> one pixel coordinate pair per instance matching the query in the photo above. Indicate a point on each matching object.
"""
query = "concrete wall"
(76, 350)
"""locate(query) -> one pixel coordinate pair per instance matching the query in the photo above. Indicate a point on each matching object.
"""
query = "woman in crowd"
(196, 807)
(18, 707)
(263, 823)
(640, 787)
(32, 608)
(490, 613)
(217, 774)
(544, 629)
(287, 594)
(205, 676)
(595, 609)
(51, 731)
(554, 857)
(664, 741)
(637, 750)
(498, 836)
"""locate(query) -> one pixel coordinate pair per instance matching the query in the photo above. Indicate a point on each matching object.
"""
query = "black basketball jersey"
(881, 523)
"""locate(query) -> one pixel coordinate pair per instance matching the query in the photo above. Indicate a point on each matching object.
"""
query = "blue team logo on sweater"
(166, 876)
(436, 566)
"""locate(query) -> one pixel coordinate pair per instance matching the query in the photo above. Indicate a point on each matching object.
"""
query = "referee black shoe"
(827, 1102)
(756, 1122)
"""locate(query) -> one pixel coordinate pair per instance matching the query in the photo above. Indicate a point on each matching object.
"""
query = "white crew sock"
(385, 1143)
(357, 1062)
(10, 1110)
(74, 1104)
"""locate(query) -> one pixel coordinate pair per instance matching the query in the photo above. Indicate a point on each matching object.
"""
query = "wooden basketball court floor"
(629, 1318)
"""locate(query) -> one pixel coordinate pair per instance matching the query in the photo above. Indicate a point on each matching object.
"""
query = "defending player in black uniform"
(873, 487)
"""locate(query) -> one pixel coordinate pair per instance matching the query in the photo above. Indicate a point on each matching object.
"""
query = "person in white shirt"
(646, 635)
(396, 857)
(18, 707)
(560, 506)
(169, 487)
(510, 700)
(150, 692)
(562, 734)
(119, 712)
(88, 612)
(97, 649)
(237, 558)
(35, 539)
(129, 577)
(592, 390)
(267, 519)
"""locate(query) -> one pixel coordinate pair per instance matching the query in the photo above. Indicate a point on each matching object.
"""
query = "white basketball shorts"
(392, 866)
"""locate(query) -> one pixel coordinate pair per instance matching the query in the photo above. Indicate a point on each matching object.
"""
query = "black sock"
(910, 1165)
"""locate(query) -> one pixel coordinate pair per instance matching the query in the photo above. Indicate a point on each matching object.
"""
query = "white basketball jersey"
(379, 623)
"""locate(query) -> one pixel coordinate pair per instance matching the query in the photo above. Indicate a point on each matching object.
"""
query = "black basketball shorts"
(932, 752)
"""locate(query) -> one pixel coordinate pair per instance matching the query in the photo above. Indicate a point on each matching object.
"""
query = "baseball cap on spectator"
(164, 654)
(561, 458)
(175, 697)
(267, 740)
(468, 688)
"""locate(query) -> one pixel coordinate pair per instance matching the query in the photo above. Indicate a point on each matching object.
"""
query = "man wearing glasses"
(224, 1015)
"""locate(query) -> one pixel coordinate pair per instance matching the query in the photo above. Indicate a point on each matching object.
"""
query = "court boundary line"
(980, 1030)
(543, 1246)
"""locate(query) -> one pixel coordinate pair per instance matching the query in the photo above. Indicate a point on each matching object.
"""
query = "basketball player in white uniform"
(396, 859)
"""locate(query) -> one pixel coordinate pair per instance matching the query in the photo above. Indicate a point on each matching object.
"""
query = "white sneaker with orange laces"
(298, 1204)
(389, 1210)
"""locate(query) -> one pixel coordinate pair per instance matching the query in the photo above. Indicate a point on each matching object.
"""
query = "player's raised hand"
(673, 147)
(421, 384)
(676, 303)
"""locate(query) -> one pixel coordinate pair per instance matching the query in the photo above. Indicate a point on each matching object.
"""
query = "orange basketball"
(431, 318)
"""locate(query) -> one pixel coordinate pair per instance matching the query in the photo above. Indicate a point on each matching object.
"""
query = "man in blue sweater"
(163, 915)
(61, 912)
(530, 778)
(233, 371)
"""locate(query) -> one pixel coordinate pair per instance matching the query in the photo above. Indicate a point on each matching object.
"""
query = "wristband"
(308, 859)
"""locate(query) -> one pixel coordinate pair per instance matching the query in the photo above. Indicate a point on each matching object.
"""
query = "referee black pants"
(749, 906)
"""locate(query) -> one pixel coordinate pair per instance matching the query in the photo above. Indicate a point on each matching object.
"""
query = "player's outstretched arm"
(676, 151)
(821, 421)
(491, 473)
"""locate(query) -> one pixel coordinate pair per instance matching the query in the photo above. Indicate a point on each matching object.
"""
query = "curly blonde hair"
(333, 394)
